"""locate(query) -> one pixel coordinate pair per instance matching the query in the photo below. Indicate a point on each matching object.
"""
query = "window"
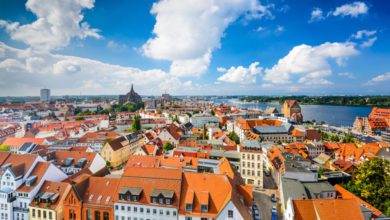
(188, 207)
(154, 200)
(50, 215)
(122, 208)
(174, 213)
(141, 210)
(89, 214)
(97, 215)
(39, 213)
(161, 200)
(135, 209)
(188, 218)
(204, 208)
(161, 212)
(116, 207)
(168, 201)
(230, 213)
(154, 211)
(128, 208)
(148, 210)
(167, 212)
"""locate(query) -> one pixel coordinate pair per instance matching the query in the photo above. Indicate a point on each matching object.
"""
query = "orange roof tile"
(59, 188)
(345, 194)
(39, 171)
(327, 209)
(17, 142)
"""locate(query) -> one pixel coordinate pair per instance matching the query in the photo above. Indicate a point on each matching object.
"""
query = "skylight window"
(90, 197)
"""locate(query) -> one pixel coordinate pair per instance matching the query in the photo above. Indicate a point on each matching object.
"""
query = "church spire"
(132, 90)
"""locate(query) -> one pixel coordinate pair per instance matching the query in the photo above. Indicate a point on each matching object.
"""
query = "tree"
(136, 126)
(234, 137)
(4, 147)
(212, 112)
(372, 183)
(167, 146)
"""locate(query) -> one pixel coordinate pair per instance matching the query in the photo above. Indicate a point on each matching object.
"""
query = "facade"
(131, 97)
(48, 202)
(118, 150)
(251, 167)
(21, 178)
(154, 194)
(386, 136)
(199, 121)
(205, 196)
(292, 111)
(45, 95)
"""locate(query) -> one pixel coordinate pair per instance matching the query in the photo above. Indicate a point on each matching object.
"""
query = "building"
(386, 135)
(325, 209)
(96, 140)
(292, 111)
(117, 151)
(72, 162)
(131, 97)
(251, 167)
(199, 121)
(91, 198)
(170, 133)
(211, 196)
(378, 121)
(45, 95)
(48, 202)
(148, 193)
(21, 179)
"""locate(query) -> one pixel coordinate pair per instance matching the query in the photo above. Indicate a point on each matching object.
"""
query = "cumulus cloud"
(187, 31)
(240, 74)
(367, 38)
(316, 15)
(353, 9)
(24, 71)
(57, 23)
(379, 79)
(309, 63)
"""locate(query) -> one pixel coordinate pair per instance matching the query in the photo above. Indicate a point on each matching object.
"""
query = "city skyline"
(216, 48)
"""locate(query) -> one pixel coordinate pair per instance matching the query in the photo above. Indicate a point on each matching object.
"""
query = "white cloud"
(347, 75)
(379, 79)
(113, 45)
(354, 9)
(241, 74)
(188, 31)
(24, 71)
(279, 28)
(309, 63)
(316, 15)
(367, 38)
(260, 28)
(58, 21)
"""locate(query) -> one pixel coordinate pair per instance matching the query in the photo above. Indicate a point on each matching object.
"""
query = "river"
(331, 114)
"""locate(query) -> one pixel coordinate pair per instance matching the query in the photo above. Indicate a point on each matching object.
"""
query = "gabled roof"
(345, 194)
(101, 190)
(18, 159)
(116, 144)
(217, 189)
(39, 171)
(327, 209)
(59, 188)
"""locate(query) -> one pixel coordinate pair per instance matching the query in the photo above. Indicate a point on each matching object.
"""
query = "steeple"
(132, 90)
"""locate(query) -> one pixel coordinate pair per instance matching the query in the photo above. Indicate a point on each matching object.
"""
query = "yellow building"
(117, 151)
(48, 203)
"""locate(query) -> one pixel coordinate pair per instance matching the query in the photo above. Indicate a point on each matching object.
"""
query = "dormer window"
(204, 208)
(188, 207)
(130, 194)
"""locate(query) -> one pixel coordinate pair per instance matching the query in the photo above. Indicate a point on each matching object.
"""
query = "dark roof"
(116, 144)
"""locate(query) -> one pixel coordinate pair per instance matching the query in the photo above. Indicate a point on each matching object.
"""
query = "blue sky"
(187, 47)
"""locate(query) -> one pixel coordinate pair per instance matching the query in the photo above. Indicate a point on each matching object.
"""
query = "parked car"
(273, 198)
(255, 212)
(274, 213)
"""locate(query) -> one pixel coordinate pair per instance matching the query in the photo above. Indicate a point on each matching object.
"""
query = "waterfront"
(331, 114)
